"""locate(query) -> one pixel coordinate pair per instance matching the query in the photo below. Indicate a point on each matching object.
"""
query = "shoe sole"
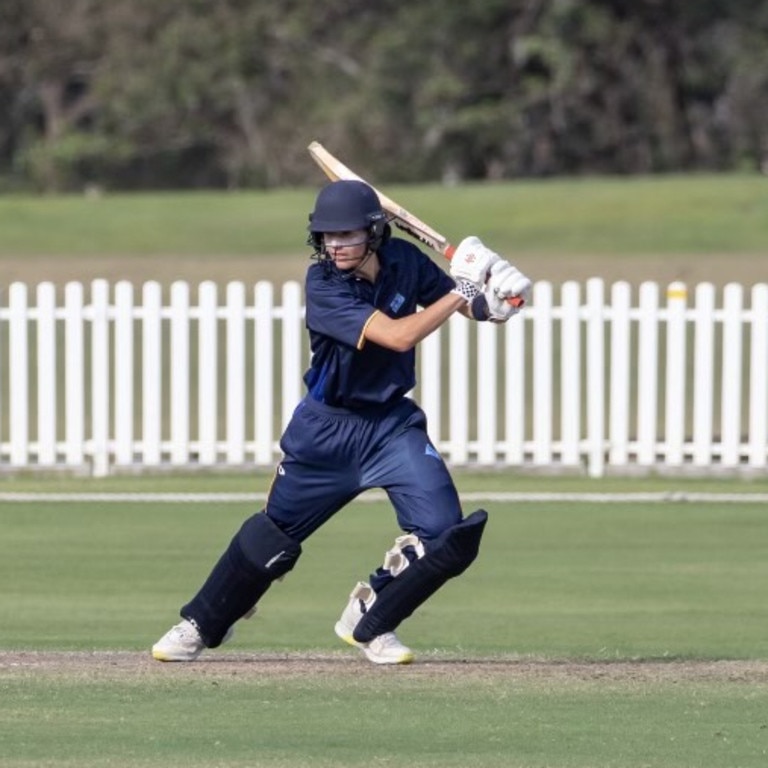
(343, 633)
(406, 658)
(160, 656)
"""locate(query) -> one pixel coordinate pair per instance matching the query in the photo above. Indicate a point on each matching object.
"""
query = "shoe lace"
(186, 633)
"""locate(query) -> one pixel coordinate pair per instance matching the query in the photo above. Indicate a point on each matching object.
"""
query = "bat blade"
(402, 218)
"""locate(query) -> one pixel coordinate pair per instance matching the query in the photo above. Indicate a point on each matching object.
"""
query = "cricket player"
(356, 429)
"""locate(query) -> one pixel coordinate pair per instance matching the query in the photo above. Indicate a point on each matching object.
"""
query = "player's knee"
(456, 548)
(449, 555)
(436, 514)
(265, 548)
(450, 552)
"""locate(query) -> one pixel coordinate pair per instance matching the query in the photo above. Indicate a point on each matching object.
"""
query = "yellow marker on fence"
(677, 291)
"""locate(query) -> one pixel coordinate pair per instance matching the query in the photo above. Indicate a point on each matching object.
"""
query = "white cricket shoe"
(384, 649)
(387, 649)
(182, 642)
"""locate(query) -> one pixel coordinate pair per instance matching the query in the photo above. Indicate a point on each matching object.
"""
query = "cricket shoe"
(182, 642)
(384, 649)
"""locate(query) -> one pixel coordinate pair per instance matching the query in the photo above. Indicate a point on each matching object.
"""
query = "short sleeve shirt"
(346, 369)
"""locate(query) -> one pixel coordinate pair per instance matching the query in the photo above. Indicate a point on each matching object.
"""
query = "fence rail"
(108, 377)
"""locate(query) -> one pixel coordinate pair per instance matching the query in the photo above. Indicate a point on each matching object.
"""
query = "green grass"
(699, 228)
(585, 636)
(555, 580)
(195, 225)
(640, 215)
(384, 719)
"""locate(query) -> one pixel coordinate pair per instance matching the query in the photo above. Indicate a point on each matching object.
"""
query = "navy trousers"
(331, 455)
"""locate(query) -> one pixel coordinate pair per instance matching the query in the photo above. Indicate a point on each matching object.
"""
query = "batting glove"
(471, 262)
(505, 282)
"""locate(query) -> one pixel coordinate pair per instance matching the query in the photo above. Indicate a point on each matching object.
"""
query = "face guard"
(346, 206)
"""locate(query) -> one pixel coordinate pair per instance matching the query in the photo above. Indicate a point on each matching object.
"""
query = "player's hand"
(472, 261)
(505, 282)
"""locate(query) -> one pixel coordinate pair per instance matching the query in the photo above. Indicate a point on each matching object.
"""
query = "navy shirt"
(346, 369)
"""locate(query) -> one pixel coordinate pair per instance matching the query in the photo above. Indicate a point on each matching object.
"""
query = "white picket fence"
(112, 378)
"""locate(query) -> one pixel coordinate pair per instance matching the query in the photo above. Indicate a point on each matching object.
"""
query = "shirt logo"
(397, 302)
(430, 451)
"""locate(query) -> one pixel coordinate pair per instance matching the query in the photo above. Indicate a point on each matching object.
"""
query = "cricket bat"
(402, 218)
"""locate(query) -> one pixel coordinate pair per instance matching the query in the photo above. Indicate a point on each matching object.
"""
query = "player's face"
(347, 249)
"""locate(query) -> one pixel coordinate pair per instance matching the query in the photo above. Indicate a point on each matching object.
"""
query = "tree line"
(152, 94)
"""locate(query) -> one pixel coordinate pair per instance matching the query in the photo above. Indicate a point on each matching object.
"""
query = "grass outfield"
(601, 634)
(706, 213)
(556, 580)
(691, 228)
(280, 714)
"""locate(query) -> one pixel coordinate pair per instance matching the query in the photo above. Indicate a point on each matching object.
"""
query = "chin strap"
(366, 259)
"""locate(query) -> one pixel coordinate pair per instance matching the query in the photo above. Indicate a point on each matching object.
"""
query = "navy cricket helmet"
(345, 206)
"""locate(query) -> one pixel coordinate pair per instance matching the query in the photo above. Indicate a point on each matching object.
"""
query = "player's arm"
(404, 333)
(470, 267)
(473, 265)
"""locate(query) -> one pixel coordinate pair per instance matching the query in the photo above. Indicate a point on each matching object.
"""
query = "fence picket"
(758, 382)
(674, 407)
(46, 374)
(74, 375)
(514, 351)
(730, 410)
(570, 374)
(18, 370)
(595, 377)
(647, 374)
(151, 373)
(458, 391)
(179, 373)
(615, 364)
(235, 373)
(703, 375)
(100, 377)
(620, 374)
(542, 374)
(124, 373)
(487, 399)
(207, 373)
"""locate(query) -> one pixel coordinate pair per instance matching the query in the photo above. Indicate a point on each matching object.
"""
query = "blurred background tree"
(141, 94)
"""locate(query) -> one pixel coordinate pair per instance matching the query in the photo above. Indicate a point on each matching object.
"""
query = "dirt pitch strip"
(125, 665)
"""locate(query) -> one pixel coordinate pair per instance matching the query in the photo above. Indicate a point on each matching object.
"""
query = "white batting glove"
(505, 282)
(472, 261)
